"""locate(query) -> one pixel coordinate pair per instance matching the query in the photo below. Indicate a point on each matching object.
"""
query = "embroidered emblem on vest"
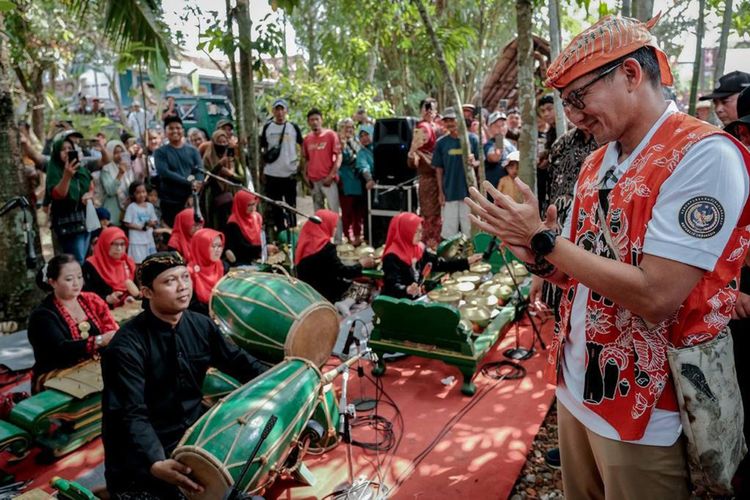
(701, 217)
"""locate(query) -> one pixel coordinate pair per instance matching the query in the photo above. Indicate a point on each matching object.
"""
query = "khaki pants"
(594, 467)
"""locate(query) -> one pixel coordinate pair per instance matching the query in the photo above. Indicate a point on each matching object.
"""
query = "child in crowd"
(507, 184)
(140, 219)
(161, 233)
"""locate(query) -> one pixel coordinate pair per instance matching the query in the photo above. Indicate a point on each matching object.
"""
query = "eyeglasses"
(575, 97)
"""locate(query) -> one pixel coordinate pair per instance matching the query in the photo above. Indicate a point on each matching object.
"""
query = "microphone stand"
(401, 185)
(278, 203)
(235, 493)
(522, 353)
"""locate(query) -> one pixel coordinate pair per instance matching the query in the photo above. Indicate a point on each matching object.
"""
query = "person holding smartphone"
(216, 198)
(69, 188)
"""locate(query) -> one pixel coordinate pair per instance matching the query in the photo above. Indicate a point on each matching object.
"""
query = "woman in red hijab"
(317, 262)
(110, 272)
(182, 232)
(405, 258)
(205, 266)
(243, 230)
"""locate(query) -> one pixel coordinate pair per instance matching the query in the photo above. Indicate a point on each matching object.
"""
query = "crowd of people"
(636, 235)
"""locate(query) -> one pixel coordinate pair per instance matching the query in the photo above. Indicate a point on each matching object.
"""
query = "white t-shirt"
(136, 214)
(286, 164)
(711, 168)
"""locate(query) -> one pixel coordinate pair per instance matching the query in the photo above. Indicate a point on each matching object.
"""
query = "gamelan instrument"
(217, 446)
(273, 316)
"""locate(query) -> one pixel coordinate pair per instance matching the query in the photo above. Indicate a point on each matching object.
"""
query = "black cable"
(514, 371)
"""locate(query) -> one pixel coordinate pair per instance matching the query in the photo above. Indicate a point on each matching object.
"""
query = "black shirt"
(153, 375)
(52, 341)
(325, 272)
(93, 282)
(399, 275)
(244, 252)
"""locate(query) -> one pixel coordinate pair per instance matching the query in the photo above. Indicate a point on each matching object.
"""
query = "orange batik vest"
(627, 373)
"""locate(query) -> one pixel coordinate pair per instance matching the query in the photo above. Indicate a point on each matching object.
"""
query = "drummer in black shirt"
(153, 375)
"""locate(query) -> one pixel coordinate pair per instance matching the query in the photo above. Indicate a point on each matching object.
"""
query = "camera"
(72, 156)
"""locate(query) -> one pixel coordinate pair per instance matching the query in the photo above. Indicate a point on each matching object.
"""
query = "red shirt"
(319, 151)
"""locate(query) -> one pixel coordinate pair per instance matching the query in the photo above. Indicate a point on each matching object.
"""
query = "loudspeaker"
(391, 147)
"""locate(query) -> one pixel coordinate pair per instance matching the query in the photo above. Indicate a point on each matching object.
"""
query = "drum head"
(314, 334)
(204, 472)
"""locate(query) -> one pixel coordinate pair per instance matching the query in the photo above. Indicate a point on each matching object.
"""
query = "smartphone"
(72, 156)
(230, 152)
(503, 105)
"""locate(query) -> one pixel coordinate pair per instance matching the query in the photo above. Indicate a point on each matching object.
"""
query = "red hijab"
(205, 272)
(400, 239)
(314, 237)
(250, 224)
(113, 272)
(180, 238)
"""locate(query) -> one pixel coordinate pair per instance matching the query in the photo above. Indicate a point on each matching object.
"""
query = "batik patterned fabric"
(565, 159)
(606, 41)
(627, 374)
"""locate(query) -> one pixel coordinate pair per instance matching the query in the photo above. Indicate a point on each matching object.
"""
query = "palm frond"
(132, 23)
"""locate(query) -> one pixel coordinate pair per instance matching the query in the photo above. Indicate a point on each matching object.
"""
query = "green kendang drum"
(217, 446)
(327, 415)
(273, 316)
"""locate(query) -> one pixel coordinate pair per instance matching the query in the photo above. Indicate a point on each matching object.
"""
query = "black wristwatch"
(543, 242)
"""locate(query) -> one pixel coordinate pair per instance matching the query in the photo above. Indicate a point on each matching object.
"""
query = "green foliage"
(267, 39)
(134, 27)
(6, 6)
(386, 43)
(741, 18)
(41, 36)
(335, 95)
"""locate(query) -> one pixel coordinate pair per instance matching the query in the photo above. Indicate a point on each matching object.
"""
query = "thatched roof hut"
(501, 82)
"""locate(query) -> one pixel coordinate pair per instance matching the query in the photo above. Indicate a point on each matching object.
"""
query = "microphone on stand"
(490, 249)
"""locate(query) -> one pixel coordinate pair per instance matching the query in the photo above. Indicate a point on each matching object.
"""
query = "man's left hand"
(514, 223)
(742, 307)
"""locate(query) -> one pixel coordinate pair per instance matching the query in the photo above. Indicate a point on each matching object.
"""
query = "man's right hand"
(173, 472)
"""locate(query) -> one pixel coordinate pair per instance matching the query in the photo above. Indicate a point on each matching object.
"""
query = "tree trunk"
(477, 81)
(37, 102)
(471, 180)
(698, 64)
(18, 295)
(244, 25)
(721, 57)
(643, 9)
(526, 93)
(555, 47)
(312, 56)
(236, 93)
(626, 10)
(113, 89)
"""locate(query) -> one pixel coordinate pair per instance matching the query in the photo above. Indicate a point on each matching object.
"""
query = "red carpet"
(480, 454)
(483, 446)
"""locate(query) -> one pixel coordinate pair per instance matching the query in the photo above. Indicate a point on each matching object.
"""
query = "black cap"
(731, 83)
(743, 112)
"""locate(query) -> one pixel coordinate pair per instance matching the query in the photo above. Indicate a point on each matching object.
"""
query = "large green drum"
(273, 316)
(217, 446)
(327, 415)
